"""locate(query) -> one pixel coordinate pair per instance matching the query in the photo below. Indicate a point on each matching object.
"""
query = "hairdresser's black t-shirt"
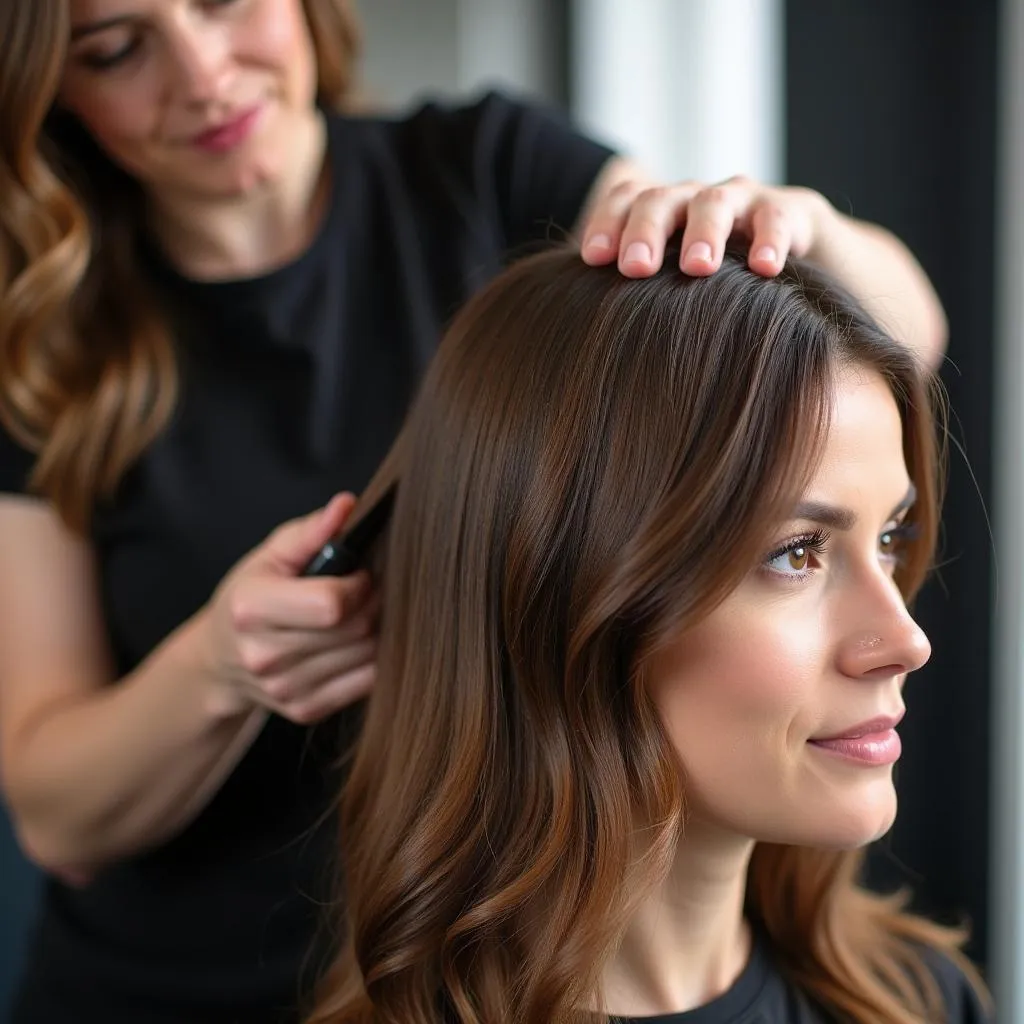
(293, 387)
(761, 995)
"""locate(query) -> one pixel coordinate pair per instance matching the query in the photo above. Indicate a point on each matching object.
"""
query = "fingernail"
(767, 254)
(638, 252)
(599, 243)
(699, 251)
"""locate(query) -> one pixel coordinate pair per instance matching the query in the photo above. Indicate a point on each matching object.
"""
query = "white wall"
(409, 45)
(691, 88)
(455, 47)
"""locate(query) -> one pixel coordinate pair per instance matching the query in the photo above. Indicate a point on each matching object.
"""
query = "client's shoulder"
(963, 991)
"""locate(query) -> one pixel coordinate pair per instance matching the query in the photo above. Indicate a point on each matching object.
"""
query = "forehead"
(107, 8)
(863, 453)
(91, 11)
(94, 10)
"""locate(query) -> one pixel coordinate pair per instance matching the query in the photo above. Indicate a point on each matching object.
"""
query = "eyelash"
(106, 63)
(99, 62)
(817, 542)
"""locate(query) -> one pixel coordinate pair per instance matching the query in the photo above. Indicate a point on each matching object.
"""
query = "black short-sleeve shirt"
(294, 384)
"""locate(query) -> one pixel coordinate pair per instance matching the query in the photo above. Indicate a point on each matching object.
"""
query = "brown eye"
(892, 543)
(798, 558)
(105, 58)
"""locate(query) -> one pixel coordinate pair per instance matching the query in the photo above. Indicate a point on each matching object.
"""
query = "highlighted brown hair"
(592, 464)
(87, 368)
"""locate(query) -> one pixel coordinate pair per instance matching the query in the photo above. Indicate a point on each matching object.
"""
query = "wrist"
(829, 228)
(218, 698)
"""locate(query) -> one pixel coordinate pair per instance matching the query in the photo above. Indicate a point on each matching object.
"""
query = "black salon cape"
(761, 995)
(293, 387)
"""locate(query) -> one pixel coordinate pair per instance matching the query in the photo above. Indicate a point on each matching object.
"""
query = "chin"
(844, 820)
(240, 182)
(864, 822)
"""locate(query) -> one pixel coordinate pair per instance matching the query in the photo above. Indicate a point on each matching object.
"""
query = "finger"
(772, 237)
(299, 682)
(272, 654)
(334, 696)
(263, 602)
(603, 231)
(652, 219)
(710, 218)
(292, 545)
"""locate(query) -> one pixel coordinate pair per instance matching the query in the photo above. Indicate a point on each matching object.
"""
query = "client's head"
(645, 580)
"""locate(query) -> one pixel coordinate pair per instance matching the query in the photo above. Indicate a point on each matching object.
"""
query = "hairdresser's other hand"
(301, 647)
(631, 220)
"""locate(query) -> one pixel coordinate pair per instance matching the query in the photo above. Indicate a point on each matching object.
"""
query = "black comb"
(345, 553)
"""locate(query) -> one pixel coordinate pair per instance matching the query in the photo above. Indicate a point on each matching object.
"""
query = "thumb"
(292, 545)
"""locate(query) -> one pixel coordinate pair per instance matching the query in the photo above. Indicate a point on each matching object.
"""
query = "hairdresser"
(218, 292)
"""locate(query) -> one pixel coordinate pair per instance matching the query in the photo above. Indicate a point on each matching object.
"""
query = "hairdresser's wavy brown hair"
(592, 464)
(87, 368)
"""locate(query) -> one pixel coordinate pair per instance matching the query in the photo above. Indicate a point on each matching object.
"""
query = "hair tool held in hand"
(346, 552)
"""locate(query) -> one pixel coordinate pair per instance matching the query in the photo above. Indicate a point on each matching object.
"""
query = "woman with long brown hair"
(641, 661)
(219, 286)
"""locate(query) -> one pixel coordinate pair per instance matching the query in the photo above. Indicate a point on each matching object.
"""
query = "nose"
(200, 58)
(882, 640)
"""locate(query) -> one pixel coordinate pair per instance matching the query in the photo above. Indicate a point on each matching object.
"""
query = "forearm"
(881, 272)
(127, 767)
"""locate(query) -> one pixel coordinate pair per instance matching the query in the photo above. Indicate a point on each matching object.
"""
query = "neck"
(687, 943)
(243, 236)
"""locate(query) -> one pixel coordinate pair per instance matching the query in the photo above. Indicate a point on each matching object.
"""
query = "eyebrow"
(844, 518)
(89, 28)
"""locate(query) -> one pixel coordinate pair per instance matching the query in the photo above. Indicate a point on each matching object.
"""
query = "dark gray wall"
(19, 886)
(891, 109)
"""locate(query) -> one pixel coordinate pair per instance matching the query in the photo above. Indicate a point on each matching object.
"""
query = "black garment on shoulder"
(762, 995)
(293, 387)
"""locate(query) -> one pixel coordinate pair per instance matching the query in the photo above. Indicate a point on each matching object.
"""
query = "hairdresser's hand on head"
(302, 647)
(629, 220)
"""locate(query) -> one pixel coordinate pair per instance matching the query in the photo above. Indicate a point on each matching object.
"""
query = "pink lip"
(874, 742)
(228, 134)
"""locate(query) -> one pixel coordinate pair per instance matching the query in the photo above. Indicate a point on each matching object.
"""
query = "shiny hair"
(591, 466)
(87, 369)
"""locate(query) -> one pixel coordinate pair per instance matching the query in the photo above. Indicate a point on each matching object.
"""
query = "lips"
(872, 743)
(871, 727)
(228, 132)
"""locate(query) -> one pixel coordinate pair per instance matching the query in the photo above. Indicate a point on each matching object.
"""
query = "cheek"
(740, 689)
(739, 697)
(279, 35)
(115, 117)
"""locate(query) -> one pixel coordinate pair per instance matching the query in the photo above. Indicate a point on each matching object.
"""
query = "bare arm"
(625, 207)
(883, 274)
(95, 769)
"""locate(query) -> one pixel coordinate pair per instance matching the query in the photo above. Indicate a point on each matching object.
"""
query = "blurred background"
(905, 112)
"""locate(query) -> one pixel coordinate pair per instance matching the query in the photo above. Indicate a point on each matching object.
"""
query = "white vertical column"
(1006, 934)
(689, 88)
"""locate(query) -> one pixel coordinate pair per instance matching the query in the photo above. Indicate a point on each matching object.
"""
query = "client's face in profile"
(781, 703)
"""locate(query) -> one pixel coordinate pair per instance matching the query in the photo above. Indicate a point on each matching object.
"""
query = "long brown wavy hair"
(87, 367)
(592, 464)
